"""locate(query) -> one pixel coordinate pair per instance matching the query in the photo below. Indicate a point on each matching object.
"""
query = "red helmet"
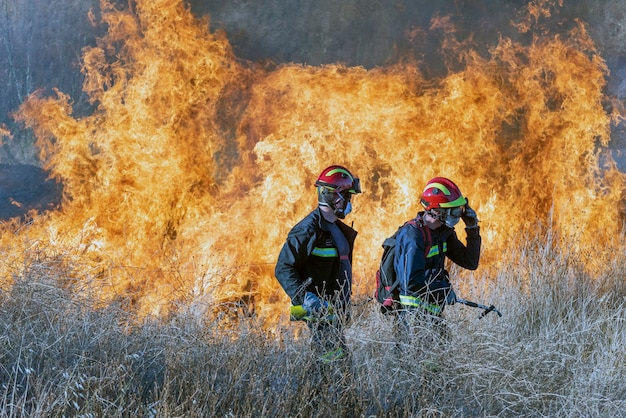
(338, 179)
(442, 193)
(334, 185)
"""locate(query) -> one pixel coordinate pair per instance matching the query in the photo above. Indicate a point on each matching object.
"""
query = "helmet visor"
(356, 186)
(449, 216)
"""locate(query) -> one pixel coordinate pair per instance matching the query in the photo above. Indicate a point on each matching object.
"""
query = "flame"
(180, 187)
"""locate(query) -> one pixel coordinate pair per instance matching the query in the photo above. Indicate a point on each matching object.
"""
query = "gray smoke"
(42, 45)
(372, 33)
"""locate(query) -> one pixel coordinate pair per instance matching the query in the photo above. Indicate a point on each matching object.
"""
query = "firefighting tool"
(486, 309)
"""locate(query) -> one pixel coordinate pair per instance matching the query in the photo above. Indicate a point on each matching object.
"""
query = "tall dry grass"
(559, 350)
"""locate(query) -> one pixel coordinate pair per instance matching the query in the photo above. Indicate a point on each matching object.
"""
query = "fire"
(180, 187)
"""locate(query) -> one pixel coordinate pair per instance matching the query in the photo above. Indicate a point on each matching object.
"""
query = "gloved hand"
(313, 304)
(469, 217)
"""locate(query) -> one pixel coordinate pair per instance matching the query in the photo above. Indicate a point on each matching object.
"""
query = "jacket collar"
(324, 225)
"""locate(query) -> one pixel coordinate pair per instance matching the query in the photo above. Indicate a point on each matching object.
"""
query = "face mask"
(342, 214)
(451, 221)
(449, 217)
(453, 216)
(347, 205)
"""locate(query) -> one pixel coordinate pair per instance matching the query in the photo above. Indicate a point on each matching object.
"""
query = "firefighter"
(424, 283)
(314, 266)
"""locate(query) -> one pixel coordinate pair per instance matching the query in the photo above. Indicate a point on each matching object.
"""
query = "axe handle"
(486, 309)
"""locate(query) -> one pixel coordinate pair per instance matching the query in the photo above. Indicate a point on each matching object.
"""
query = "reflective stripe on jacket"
(417, 302)
(309, 251)
(417, 271)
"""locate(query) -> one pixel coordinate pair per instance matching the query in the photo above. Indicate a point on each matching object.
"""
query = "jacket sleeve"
(410, 261)
(290, 267)
(466, 256)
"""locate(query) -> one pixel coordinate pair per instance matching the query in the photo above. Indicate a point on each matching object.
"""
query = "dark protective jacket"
(420, 273)
(309, 251)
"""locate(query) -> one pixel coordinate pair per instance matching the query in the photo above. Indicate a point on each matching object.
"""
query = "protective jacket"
(309, 251)
(423, 277)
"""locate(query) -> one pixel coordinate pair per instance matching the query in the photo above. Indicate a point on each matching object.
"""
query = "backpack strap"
(428, 240)
(419, 223)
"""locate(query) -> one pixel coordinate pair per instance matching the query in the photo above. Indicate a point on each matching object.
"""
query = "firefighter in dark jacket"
(424, 282)
(314, 266)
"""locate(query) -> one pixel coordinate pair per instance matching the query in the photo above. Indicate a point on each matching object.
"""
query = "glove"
(314, 305)
(312, 309)
(297, 312)
(469, 217)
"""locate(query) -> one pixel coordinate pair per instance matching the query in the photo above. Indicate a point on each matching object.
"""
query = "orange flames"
(182, 184)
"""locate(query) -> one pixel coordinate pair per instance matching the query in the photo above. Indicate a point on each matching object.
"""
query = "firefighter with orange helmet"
(424, 283)
(314, 266)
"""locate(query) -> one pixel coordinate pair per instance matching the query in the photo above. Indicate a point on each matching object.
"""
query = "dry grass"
(559, 350)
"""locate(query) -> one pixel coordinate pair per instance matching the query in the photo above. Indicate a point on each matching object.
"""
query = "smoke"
(373, 33)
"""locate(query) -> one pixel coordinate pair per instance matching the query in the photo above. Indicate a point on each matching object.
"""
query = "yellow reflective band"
(434, 250)
(325, 252)
(419, 303)
(339, 170)
(439, 186)
(455, 203)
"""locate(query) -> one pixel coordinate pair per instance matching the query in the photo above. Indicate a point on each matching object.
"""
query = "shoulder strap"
(391, 242)
(428, 240)
(419, 223)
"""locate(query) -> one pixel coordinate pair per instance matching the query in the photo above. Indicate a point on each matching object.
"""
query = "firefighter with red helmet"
(314, 266)
(424, 283)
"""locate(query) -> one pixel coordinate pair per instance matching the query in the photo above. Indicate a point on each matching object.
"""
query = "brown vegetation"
(558, 350)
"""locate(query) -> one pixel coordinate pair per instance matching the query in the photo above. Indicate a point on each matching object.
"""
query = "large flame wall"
(182, 184)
